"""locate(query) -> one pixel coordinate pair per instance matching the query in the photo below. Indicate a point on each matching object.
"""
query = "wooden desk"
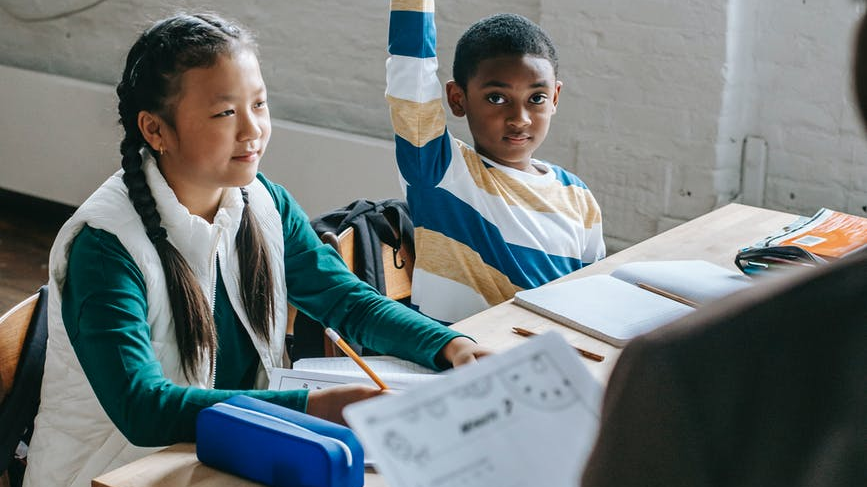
(177, 466)
(715, 237)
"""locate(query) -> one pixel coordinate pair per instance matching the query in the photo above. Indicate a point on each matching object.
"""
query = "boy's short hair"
(500, 35)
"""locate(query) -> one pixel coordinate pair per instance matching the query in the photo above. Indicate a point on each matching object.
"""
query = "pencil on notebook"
(584, 353)
(355, 358)
(666, 294)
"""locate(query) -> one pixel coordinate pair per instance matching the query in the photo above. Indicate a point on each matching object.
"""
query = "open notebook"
(618, 307)
(319, 373)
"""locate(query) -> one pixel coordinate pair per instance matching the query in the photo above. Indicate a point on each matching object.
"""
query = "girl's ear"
(456, 98)
(151, 127)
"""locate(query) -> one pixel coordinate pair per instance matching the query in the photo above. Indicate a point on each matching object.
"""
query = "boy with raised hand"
(489, 219)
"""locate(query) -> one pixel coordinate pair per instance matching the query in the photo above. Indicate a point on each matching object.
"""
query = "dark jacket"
(765, 388)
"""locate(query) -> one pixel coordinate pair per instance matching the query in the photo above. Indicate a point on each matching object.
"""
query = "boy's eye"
(225, 113)
(260, 104)
(496, 99)
(538, 98)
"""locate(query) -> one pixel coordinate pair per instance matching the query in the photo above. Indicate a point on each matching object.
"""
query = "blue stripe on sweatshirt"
(438, 210)
(404, 38)
(426, 165)
(566, 178)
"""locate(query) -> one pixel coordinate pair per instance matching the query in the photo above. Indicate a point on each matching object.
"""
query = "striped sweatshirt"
(482, 230)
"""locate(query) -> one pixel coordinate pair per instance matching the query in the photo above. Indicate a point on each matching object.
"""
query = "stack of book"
(828, 235)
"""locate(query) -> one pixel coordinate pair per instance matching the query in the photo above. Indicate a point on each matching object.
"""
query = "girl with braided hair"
(168, 287)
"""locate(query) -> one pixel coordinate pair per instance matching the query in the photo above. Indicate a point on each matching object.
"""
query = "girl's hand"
(461, 351)
(328, 403)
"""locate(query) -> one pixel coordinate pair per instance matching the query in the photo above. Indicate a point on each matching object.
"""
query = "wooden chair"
(398, 278)
(24, 326)
(397, 270)
(13, 328)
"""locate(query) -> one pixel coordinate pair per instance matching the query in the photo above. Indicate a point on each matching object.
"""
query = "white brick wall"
(805, 111)
(658, 94)
(641, 102)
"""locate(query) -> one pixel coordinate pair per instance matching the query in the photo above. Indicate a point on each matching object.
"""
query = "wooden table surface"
(177, 466)
(715, 237)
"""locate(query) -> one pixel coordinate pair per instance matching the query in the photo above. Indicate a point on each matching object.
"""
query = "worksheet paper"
(527, 416)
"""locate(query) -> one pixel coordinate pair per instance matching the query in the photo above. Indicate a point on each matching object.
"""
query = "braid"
(151, 77)
(258, 293)
(194, 323)
(140, 195)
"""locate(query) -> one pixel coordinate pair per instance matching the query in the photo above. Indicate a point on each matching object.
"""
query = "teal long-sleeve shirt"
(104, 309)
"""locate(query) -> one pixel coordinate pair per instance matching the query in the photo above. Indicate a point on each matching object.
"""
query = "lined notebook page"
(319, 373)
(380, 364)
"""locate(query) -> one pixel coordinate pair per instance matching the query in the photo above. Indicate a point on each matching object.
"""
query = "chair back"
(13, 329)
(23, 341)
(397, 267)
(397, 270)
(365, 234)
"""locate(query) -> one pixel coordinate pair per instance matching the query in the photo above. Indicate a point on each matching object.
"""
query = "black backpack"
(374, 222)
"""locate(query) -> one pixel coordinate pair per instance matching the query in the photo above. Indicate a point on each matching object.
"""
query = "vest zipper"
(212, 373)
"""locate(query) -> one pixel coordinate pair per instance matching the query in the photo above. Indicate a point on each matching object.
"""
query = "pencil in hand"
(355, 358)
(584, 353)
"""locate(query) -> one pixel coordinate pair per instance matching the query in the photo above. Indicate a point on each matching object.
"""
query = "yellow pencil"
(584, 353)
(666, 294)
(355, 358)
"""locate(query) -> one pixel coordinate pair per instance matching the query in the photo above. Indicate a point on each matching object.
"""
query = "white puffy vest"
(74, 440)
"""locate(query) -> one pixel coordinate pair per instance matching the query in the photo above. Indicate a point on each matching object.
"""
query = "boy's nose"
(519, 117)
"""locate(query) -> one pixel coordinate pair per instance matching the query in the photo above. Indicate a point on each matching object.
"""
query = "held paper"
(528, 416)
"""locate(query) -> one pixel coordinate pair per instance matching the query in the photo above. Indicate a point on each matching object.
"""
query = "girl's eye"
(538, 98)
(261, 104)
(225, 113)
(496, 99)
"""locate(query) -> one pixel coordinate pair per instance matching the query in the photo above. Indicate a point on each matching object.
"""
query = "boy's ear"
(456, 98)
(151, 127)
(557, 86)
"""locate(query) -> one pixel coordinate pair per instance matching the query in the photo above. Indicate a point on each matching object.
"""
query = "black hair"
(859, 78)
(500, 35)
(150, 82)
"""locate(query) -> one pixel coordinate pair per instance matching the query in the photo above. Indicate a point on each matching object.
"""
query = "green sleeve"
(104, 310)
(320, 285)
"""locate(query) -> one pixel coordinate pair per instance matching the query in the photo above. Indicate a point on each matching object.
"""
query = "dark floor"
(27, 229)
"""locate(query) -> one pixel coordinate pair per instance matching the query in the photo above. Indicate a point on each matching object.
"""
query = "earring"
(162, 150)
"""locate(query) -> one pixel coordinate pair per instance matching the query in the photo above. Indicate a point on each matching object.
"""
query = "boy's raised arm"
(414, 93)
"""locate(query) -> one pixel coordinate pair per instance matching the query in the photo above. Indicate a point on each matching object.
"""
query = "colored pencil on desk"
(354, 356)
(666, 294)
(584, 353)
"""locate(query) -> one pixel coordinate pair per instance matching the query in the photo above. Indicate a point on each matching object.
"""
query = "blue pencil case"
(278, 446)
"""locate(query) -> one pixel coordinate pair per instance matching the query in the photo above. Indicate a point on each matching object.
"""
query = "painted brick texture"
(658, 95)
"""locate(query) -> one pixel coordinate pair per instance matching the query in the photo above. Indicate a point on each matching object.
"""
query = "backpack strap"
(370, 229)
(397, 214)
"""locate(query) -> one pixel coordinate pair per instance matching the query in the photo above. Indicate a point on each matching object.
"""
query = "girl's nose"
(250, 129)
